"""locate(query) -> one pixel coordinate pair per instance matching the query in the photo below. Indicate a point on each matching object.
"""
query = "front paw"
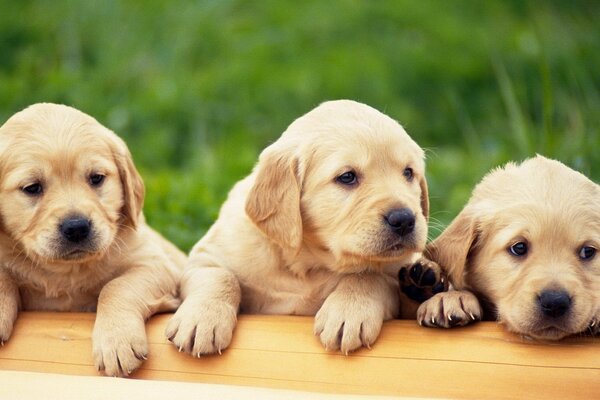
(448, 309)
(594, 326)
(9, 307)
(200, 327)
(422, 280)
(119, 347)
(347, 326)
(6, 328)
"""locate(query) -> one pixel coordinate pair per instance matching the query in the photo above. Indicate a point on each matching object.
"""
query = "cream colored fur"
(290, 239)
(553, 209)
(127, 274)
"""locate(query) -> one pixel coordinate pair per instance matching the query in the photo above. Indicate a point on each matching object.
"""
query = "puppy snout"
(402, 221)
(554, 303)
(75, 229)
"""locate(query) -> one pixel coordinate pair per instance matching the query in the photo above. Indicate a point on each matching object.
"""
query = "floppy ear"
(452, 248)
(131, 181)
(424, 197)
(273, 203)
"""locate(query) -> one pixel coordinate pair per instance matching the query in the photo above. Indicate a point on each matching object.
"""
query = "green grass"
(197, 89)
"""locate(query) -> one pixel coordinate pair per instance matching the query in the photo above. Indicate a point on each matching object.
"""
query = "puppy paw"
(6, 328)
(9, 307)
(347, 326)
(448, 309)
(119, 349)
(594, 326)
(202, 327)
(422, 280)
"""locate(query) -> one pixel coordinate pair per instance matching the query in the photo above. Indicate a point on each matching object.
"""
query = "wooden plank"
(18, 385)
(481, 361)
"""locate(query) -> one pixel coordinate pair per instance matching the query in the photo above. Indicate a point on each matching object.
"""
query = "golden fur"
(290, 239)
(555, 211)
(125, 270)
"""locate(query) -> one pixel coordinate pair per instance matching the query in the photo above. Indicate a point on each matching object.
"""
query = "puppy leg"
(448, 309)
(119, 336)
(205, 321)
(422, 280)
(353, 313)
(9, 305)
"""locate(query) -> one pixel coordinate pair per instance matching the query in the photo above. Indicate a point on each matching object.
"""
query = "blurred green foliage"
(198, 88)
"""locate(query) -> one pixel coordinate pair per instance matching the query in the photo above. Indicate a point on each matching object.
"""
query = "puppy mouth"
(76, 254)
(549, 333)
(397, 248)
(555, 331)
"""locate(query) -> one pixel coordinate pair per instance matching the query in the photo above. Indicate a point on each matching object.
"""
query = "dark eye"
(96, 179)
(408, 173)
(587, 253)
(35, 189)
(347, 178)
(518, 249)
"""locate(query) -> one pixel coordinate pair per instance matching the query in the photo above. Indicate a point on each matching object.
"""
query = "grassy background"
(197, 89)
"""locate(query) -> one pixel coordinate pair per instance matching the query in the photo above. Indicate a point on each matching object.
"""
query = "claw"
(591, 326)
(180, 349)
(449, 317)
(433, 320)
(472, 316)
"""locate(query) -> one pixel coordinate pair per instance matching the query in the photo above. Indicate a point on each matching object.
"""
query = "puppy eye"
(408, 173)
(96, 179)
(347, 178)
(35, 189)
(518, 249)
(587, 253)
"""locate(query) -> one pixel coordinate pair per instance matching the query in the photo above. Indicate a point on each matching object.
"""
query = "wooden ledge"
(480, 361)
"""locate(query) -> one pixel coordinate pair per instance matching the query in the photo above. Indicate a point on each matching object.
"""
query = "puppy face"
(347, 180)
(527, 242)
(67, 185)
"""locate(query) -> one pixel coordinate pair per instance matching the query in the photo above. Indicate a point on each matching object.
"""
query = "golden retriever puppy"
(525, 245)
(72, 234)
(321, 226)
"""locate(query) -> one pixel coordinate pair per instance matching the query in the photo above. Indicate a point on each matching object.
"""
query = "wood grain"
(481, 361)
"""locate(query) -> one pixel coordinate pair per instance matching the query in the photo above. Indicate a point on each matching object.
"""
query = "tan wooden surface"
(481, 361)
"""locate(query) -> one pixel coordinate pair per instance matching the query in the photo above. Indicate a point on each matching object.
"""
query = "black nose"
(75, 229)
(554, 303)
(401, 220)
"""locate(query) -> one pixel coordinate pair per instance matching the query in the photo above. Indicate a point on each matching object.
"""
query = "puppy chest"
(36, 300)
(59, 292)
(287, 293)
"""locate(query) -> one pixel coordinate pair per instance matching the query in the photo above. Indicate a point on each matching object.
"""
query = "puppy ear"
(424, 197)
(131, 181)
(273, 203)
(452, 248)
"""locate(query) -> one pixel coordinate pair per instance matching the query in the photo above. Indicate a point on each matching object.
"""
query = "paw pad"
(422, 280)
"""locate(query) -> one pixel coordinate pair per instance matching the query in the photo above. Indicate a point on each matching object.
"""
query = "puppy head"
(526, 242)
(68, 184)
(346, 180)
